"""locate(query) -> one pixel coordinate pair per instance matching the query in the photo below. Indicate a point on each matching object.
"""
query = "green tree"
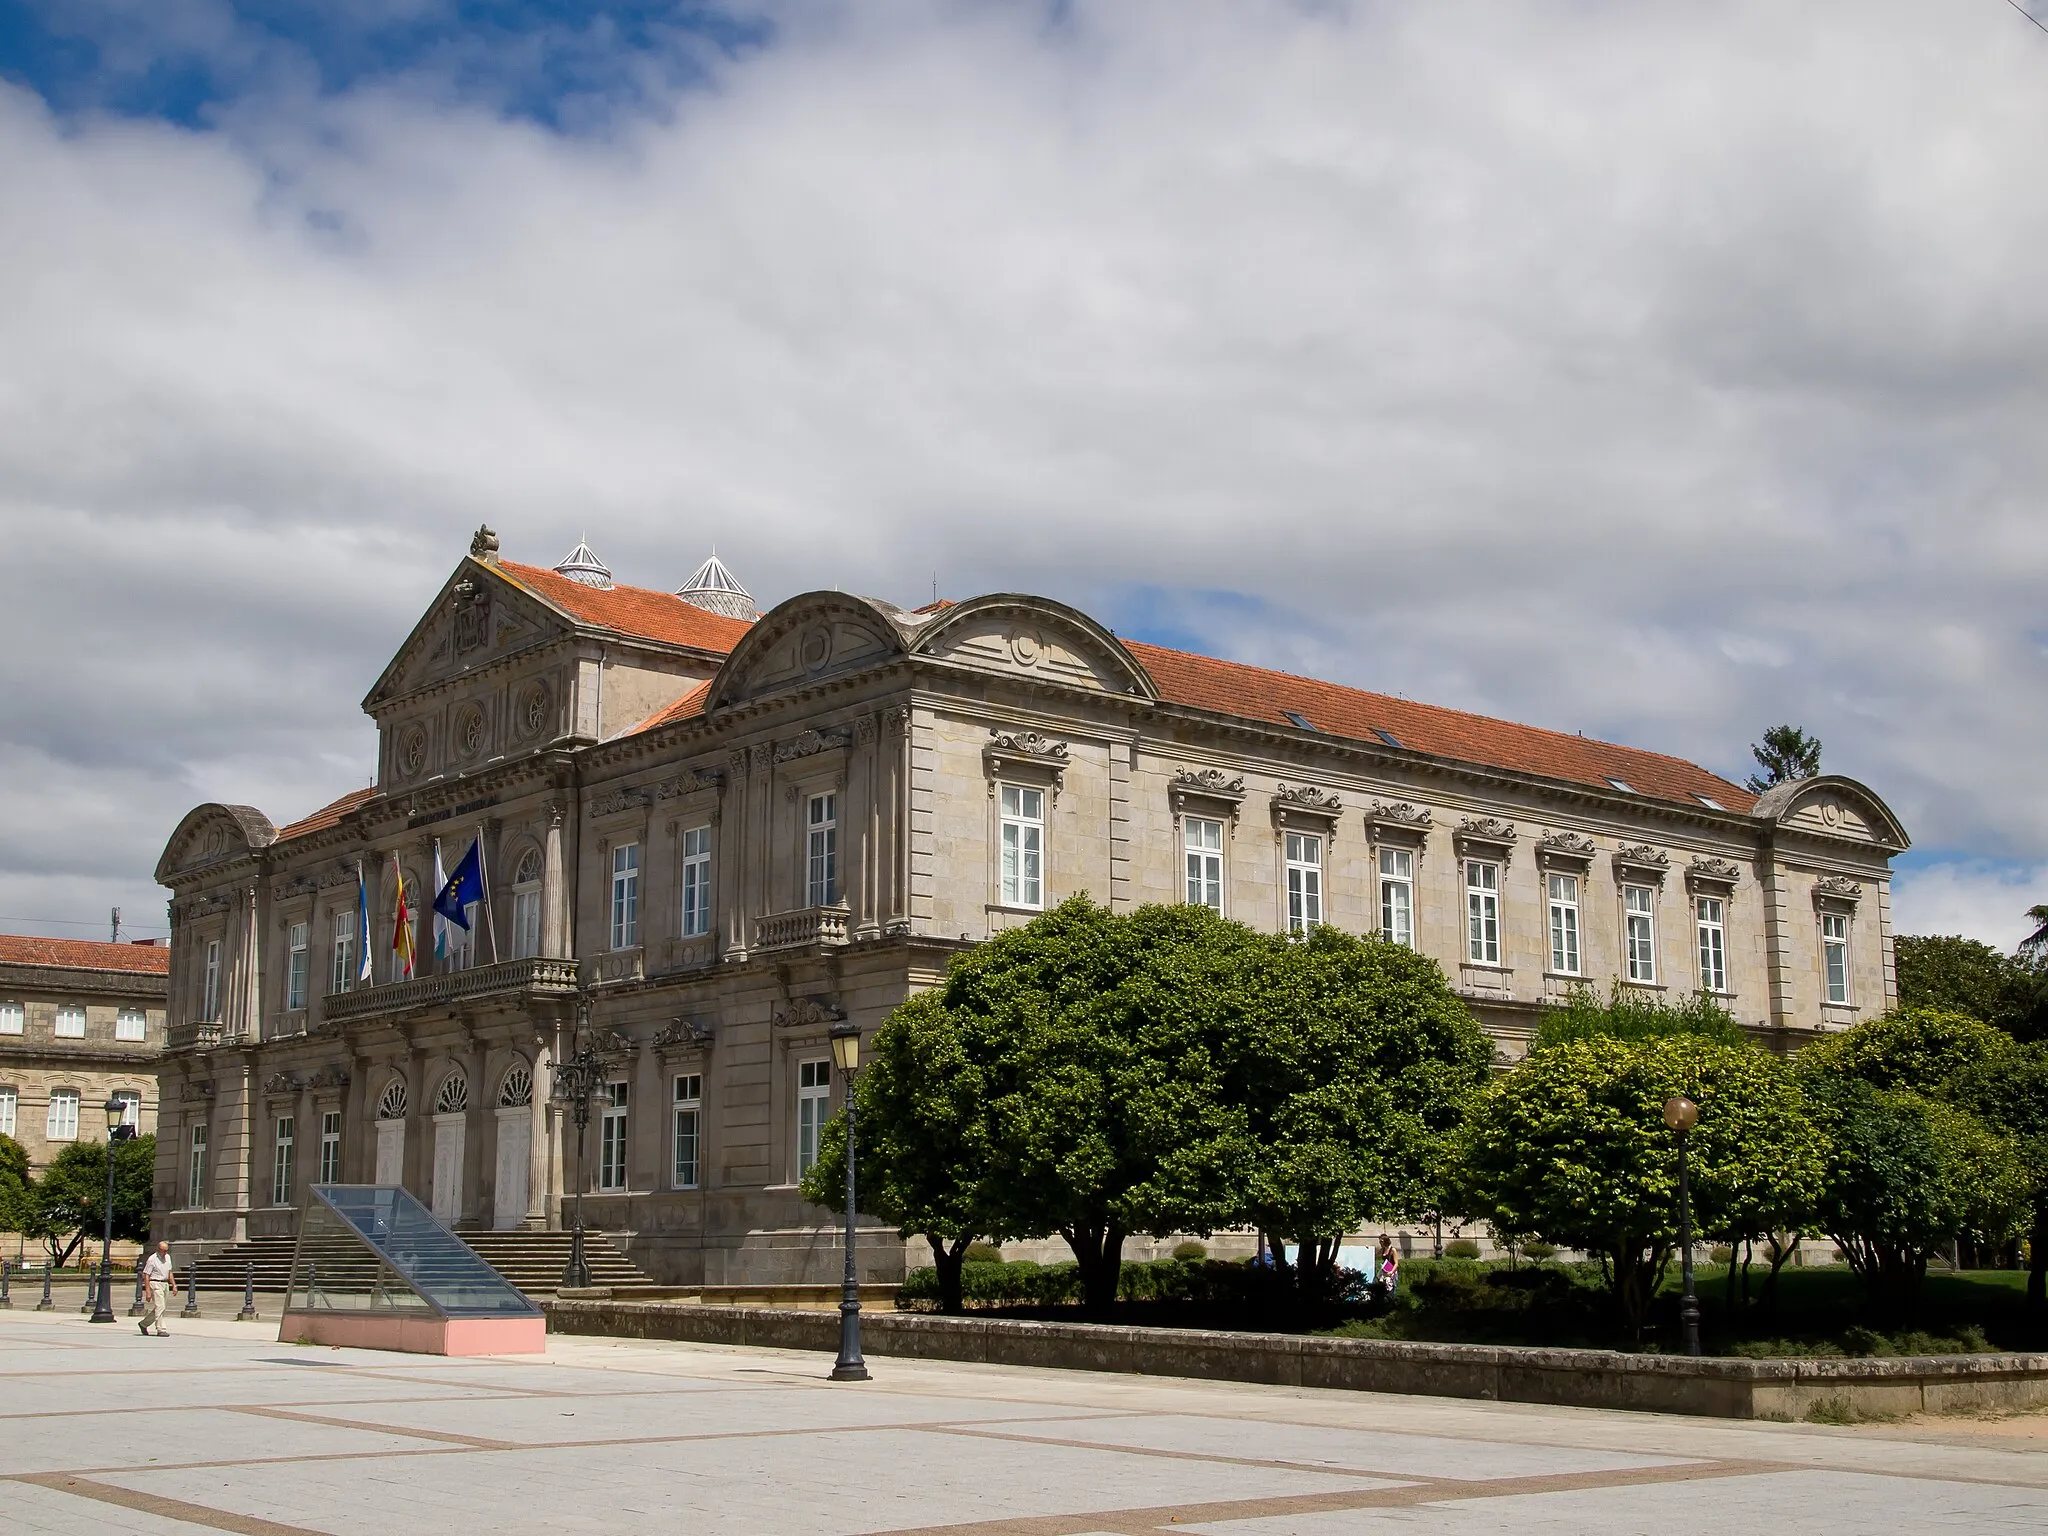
(922, 1140)
(1103, 1041)
(1953, 974)
(67, 1204)
(14, 1186)
(1357, 1064)
(1785, 753)
(2035, 944)
(1571, 1146)
(1922, 1050)
(2009, 1091)
(1630, 1014)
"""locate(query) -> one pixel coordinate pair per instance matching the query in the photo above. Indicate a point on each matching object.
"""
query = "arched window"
(392, 1101)
(526, 906)
(516, 1091)
(454, 1095)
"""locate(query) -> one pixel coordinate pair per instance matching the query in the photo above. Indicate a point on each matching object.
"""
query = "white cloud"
(1662, 372)
(1980, 901)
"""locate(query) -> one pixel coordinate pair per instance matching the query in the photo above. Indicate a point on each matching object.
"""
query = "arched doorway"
(391, 1107)
(515, 1147)
(451, 1115)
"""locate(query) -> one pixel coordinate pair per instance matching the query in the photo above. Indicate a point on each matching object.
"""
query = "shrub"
(1190, 1252)
(1461, 1248)
(982, 1252)
(1720, 1253)
(1539, 1250)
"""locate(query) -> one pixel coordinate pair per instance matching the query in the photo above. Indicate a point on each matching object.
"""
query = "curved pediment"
(805, 640)
(1832, 806)
(213, 834)
(1036, 638)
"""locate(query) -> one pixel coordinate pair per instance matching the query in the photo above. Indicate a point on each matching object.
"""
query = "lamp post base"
(849, 1366)
(103, 1304)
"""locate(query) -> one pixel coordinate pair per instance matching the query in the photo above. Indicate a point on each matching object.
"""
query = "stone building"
(79, 1021)
(710, 835)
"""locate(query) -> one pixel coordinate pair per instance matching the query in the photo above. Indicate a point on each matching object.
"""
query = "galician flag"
(440, 922)
(401, 931)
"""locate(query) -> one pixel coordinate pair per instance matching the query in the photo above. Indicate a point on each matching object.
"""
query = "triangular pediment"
(477, 617)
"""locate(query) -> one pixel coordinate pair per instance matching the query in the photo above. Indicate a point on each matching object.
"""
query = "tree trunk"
(2037, 1264)
(1099, 1251)
(947, 1259)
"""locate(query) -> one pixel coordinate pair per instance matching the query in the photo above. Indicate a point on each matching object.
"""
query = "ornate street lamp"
(118, 1131)
(849, 1366)
(576, 1080)
(1681, 1115)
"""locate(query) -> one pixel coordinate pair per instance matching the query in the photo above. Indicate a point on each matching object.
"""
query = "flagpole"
(483, 869)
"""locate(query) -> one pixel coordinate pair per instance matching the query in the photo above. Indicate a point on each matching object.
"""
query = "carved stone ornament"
(341, 874)
(1643, 856)
(1027, 744)
(1008, 750)
(533, 709)
(611, 1043)
(298, 885)
(617, 800)
(688, 783)
(808, 1011)
(333, 1075)
(1837, 887)
(469, 731)
(682, 1034)
(1706, 871)
(1306, 797)
(192, 1092)
(1211, 785)
(412, 751)
(761, 756)
(808, 743)
(1398, 817)
(864, 729)
(281, 1082)
(472, 616)
(1486, 829)
(484, 546)
(1565, 847)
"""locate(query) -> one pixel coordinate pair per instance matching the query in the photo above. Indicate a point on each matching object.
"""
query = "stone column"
(479, 1137)
(729, 851)
(864, 794)
(554, 938)
(419, 1125)
(540, 1184)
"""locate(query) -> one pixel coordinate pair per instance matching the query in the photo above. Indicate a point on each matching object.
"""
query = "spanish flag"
(401, 932)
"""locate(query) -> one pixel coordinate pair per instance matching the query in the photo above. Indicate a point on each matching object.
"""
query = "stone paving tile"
(26, 1510)
(1393, 1454)
(176, 1435)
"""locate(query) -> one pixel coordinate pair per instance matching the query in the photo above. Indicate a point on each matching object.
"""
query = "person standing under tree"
(1388, 1263)
(159, 1284)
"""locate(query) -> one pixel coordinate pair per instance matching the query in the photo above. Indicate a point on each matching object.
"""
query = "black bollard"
(92, 1286)
(248, 1311)
(135, 1307)
(191, 1291)
(46, 1305)
(6, 1301)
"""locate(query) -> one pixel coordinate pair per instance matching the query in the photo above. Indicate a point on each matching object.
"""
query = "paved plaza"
(219, 1428)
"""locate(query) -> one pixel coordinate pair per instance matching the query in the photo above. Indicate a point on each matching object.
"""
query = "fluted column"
(554, 937)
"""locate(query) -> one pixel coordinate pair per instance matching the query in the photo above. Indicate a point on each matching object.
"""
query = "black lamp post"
(1681, 1115)
(575, 1081)
(118, 1131)
(849, 1366)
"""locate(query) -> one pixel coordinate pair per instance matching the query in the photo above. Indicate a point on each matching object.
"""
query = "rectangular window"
(131, 1026)
(525, 922)
(1713, 944)
(1564, 924)
(1482, 912)
(813, 1104)
(195, 1178)
(626, 896)
(611, 1150)
(12, 1017)
(61, 1124)
(295, 968)
(209, 985)
(330, 1147)
(343, 974)
(281, 1163)
(10, 1103)
(1023, 815)
(131, 1108)
(71, 1022)
(821, 850)
(689, 1107)
(1834, 949)
(1397, 895)
(1304, 882)
(1203, 841)
(696, 881)
(1639, 908)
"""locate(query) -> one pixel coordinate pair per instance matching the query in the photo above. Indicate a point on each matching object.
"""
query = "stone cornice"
(65, 981)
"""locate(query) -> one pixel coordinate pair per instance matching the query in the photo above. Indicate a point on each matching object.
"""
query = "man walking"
(159, 1284)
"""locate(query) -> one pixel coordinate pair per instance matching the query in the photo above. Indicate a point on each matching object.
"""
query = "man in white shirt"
(159, 1283)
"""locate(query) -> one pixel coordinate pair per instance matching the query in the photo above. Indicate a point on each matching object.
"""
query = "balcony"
(209, 1036)
(537, 976)
(804, 928)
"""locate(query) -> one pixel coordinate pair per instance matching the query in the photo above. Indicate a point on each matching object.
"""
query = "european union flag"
(466, 885)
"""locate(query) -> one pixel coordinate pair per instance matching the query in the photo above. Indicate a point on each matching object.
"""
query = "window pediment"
(1401, 824)
(1641, 865)
(1714, 876)
(1568, 851)
(1028, 756)
(1206, 790)
(1485, 837)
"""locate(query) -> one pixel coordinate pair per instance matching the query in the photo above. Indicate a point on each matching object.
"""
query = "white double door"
(390, 1151)
(508, 1188)
(446, 1197)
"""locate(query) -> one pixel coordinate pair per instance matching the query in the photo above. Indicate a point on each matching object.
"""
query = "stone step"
(532, 1261)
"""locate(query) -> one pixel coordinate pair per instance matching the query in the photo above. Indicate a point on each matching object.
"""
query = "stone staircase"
(533, 1261)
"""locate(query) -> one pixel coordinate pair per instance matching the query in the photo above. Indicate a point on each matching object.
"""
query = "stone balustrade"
(540, 975)
(798, 929)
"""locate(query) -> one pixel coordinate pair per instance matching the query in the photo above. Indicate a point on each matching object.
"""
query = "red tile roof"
(659, 616)
(688, 707)
(326, 816)
(84, 954)
(1231, 688)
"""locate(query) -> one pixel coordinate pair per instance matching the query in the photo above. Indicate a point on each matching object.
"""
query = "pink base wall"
(418, 1335)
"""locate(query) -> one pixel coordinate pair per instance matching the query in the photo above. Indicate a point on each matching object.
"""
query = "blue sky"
(1659, 372)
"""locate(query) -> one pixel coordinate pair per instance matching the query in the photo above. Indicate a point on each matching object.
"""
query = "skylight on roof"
(1709, 802)
(1387, 736)
(1621, 784)
(1301, 720)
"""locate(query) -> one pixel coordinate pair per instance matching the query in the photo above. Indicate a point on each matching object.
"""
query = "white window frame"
(1201, 839)
(696, 903)
(330, 1147)
(10, 1109)
(1020, 816)
(625, 907)
(1834, 958)
(297, 966)
(526, 907)
(686, 1131)
(195, 1167)
(1482, 912)
(821, 849)
(209, 983)
(1303, 855)
(60, 1119)
(131, 1108)
(611, 1141)
(1710, 919)
(1397, 896)
(70, 1024)
(283, 1148)
(813, 1109)
(1567, 957)
(1639, 933)
(13, 1018)
(342, 974)
(131, 1025)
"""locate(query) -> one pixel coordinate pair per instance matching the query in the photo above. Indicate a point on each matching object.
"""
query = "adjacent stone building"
(79, 1021)
(709, 836)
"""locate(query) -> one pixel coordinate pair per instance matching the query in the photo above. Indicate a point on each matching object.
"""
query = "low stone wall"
(1580, 1378)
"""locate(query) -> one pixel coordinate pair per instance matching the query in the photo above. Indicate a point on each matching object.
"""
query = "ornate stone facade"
(712, 838)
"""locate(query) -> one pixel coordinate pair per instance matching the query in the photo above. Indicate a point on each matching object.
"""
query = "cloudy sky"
(1658, 371)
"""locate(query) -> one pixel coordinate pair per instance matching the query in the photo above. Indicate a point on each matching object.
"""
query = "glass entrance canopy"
(373, 1250)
